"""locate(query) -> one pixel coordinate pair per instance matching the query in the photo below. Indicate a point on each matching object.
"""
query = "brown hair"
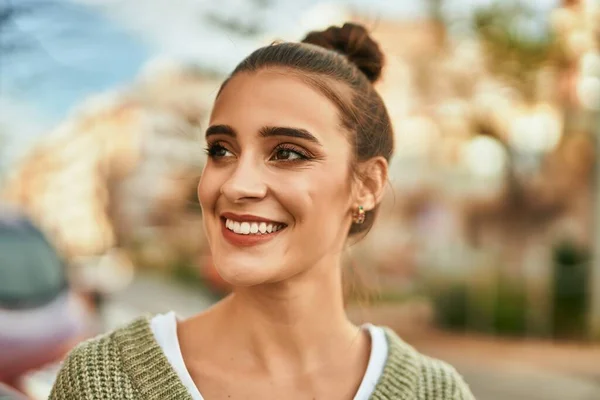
(346, 55)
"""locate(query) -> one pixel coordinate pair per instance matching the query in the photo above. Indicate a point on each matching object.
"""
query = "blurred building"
(123, 163)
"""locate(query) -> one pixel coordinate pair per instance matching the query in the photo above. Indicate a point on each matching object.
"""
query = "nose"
(246, 182)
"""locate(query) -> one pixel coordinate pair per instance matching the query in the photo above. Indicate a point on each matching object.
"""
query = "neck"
(299, 323)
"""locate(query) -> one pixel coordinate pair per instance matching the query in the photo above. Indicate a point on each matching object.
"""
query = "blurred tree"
(516, 42)
(517, 45)
(241, 24)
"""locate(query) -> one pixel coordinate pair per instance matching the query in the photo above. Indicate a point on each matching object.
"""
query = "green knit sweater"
(129, 364)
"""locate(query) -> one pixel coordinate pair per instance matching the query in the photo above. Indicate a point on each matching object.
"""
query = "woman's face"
(276, 191)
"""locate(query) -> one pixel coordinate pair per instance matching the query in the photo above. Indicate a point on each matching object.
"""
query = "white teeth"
(251, 228)
(245, 228)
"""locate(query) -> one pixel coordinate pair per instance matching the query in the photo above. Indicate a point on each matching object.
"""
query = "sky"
(71, 49)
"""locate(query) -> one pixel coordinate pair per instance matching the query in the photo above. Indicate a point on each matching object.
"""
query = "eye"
(285, 153)
(216, 150)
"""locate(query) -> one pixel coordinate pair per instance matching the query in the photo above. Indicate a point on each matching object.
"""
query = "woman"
(298, 144)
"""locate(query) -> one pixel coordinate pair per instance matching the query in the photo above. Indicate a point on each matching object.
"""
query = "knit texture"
(129, 364)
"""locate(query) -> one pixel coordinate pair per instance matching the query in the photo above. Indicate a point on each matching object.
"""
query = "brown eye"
(288, 154)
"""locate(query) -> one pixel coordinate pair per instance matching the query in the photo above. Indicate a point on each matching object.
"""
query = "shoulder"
(414, 375)
(440, 380)
(95, 369)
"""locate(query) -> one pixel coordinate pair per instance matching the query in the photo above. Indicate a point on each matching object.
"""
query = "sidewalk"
(512, 369)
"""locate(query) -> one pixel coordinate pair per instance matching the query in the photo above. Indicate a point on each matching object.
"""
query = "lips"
(249, 230)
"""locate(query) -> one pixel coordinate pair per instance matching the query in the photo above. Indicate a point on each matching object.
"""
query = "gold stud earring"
(359, 215)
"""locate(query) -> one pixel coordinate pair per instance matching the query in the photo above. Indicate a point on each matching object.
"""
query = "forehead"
(251, 100)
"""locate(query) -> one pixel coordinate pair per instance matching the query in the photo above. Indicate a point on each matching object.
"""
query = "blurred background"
(487, 250)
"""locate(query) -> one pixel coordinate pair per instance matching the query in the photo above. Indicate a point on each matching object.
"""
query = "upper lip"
(247, 218)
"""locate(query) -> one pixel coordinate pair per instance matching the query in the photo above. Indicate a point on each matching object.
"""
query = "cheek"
(208, 189)
(318, 195)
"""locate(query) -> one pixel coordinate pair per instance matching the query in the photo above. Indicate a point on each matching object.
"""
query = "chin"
(243, 272)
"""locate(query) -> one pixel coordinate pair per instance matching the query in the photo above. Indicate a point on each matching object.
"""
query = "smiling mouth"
(252, 228)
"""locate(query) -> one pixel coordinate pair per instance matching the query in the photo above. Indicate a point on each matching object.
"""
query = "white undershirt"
(164, 328)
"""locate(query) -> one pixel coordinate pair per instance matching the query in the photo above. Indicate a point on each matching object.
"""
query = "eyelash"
(212, 149)
(303, 154)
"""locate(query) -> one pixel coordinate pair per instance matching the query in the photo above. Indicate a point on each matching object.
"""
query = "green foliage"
(516, 42)
(510, 309)
(186, 272)
(502, 307)
(454, 304)
(451, 307)
(569, 254)
(570, 291)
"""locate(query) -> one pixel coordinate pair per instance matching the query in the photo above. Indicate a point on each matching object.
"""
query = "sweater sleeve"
(441, 381)
(65, 385)
(93, 371)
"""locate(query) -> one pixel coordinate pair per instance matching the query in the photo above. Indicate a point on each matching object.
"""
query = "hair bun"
(353, 41)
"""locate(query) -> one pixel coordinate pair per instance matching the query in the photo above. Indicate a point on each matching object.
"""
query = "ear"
(370, 180)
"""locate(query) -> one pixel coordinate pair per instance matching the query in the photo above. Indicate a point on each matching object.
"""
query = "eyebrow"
(220, 130)
(267, 131)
